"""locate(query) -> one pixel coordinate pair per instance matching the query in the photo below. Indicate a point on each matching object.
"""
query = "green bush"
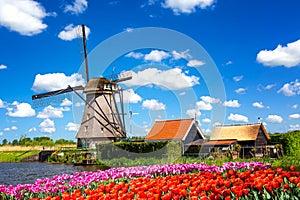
(134, 150)
(291, 143)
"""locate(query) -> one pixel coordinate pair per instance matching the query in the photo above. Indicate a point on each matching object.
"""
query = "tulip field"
(232, 180)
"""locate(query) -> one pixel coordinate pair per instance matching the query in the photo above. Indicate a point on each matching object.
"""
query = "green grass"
(15, 156)
(284, 162)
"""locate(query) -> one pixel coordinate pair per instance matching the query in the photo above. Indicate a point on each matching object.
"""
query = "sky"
(223, 62)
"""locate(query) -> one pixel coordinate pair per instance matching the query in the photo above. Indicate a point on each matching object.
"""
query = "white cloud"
(206, 120)
(208, 99)
(156, 56)
(207, 131)
(237, 118)
(66, 102)
(14, 128)
(50, 112)
(172, 79)
(201, 105)
(241, 90)
(56, 81)
(72, 32)
(204, 104)
(129, 30)
(270, 86)
(238, 78)
(187, 6)
(151, 2)
(2, 104)
(47, 126)
(129, 96)
(274, 119)
(217, 124)
(195, 63)
(33, 129)
(181, 55)
(229, 63)
(24, 17)
(290, 89)
(258, 105)
(260, 87)
(17, 109)
(294, 116)
(78, 104)
(232, 103)
(153, 104)
(136, 55)
(1, 133)
(78, 7)
(295, 106)
(65, 109)
(3, 67)
(193, 112)
(288, 56)
(6, 129)
(72, 126)
(294, 127)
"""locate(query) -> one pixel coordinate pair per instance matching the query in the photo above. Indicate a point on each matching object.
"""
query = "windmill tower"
(101, 120)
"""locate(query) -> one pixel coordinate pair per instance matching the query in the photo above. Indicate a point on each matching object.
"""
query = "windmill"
(101, 120)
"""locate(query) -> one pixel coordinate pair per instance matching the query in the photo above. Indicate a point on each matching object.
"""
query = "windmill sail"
(57, 92)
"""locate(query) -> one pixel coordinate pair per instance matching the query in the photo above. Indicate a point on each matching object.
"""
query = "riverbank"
(16, 156)
(9, 153)
(32, 148)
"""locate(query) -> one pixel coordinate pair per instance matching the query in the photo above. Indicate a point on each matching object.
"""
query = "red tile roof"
(170, 129)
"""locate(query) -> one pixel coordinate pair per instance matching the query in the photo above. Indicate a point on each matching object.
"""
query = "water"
(28, 172)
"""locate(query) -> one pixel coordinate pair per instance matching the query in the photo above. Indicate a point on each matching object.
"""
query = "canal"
(28, 172)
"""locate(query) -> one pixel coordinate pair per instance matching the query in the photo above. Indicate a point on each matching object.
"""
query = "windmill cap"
(96, 85)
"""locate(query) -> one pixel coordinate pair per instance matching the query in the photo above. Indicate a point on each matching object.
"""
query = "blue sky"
(253, 62)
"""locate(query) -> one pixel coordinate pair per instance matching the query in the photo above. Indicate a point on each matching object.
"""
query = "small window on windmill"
(107, 86)
(88, 116)
(114, 87)
(85, 128)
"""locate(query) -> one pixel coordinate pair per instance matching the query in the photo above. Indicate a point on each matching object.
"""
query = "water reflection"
(28, 172)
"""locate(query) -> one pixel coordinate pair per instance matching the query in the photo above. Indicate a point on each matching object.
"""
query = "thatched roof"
(239, 132)
(172, 129)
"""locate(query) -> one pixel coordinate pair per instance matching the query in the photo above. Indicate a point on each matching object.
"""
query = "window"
(107, 86)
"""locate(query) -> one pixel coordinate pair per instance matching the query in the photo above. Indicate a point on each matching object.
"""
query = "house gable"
(261, 139)
(194, 133)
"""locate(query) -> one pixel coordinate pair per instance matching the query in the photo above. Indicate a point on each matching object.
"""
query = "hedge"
(133, 150)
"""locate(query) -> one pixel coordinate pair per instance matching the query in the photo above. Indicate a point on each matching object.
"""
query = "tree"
(4, 142)
(238, 148)
(64, 142)
(291, 142)
(43, 138)
(25, 141)
(15, 142)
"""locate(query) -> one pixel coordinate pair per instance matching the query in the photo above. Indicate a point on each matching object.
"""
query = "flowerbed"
(247, 180)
